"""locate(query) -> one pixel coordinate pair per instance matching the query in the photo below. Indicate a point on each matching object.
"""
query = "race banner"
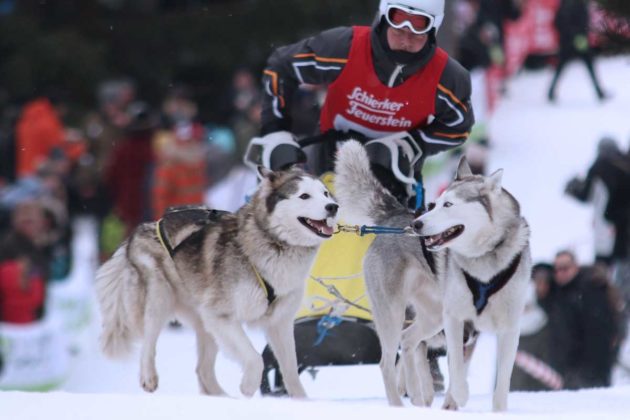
(533, 33)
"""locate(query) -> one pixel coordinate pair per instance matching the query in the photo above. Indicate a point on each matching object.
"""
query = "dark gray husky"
(218, 273)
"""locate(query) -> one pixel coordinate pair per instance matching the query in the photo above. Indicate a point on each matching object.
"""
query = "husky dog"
(484, 267)
(397, 274)
(477, 236)
(247, 267)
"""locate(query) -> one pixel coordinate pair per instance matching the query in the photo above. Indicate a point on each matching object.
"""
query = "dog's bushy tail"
(362, 199)
(116, 336)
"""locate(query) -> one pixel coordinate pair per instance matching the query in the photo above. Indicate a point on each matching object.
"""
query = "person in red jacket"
(388, 78)
(388, 85)
(24, 265)
(128, 175)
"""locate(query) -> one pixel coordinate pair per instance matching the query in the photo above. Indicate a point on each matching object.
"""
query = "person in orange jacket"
(38, 131)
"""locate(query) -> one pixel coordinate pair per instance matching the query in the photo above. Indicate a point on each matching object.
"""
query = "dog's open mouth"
(319, 227)
(435, 241)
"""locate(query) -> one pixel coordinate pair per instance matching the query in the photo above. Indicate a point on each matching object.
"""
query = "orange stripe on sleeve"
(453, 136)
(323, 59)
(452, 96)
(274, 85)
(274, 80)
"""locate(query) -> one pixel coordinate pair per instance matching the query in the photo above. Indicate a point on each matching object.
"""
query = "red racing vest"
(357, 100)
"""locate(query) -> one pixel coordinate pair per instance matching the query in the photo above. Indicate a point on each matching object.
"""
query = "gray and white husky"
(397, 274)
(483, 265)
(218, 273)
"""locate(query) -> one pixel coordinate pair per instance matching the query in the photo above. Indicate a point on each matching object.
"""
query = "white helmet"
(434, 9)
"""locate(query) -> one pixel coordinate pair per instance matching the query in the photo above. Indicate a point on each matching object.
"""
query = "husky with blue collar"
(484, 266)
(218, 271)
(479, 244)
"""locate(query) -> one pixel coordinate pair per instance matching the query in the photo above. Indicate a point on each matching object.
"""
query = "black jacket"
(583, 330)
(571, 20)
(614, 172)
(319, 59)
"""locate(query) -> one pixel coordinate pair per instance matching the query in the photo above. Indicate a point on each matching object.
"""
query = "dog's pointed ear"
(266, 173)
(463, 169)
(494, 180)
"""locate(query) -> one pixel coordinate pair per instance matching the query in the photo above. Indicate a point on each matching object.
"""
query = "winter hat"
(608, 147)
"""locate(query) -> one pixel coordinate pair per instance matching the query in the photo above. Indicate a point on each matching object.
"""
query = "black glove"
(576, 188)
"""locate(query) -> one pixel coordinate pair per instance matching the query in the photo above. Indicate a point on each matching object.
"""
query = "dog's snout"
(332, 208)
(417, 225)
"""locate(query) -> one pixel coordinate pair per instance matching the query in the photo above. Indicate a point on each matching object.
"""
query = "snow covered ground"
(539, 145)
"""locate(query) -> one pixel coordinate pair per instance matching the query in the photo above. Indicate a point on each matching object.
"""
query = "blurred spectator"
(222, 154)
(49, 188)
(24, 264)
(179, 107)
(542, 275)
(532, 371)
(481, 41)
(612, 169)
(8, 117)
(39, 130)
(86, 193)
(181, 167)
(476, 153)
(572, 23)
(584, 324)
(106, 127)
(53, 176)
(246, 102)
(128, 174)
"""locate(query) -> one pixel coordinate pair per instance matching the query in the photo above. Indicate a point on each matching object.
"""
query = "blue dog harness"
(481, 291)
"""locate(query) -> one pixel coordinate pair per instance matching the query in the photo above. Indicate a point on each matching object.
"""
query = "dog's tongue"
(322, 226)
(434, 240)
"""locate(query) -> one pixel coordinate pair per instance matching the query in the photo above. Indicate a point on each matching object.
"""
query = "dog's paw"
(427, 398)
(402, 388)
(149, 382)
(420, 401)
(250, 383)
(460, 394)
(299, 395)
(211, 389)
(252, 377)
(499, 402)
(449, 403)
(248, 388)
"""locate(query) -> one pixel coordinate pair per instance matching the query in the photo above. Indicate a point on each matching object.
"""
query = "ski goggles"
(416, 21)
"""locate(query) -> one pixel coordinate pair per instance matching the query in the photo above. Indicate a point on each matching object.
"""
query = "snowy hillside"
(539, 145)
(542, 145)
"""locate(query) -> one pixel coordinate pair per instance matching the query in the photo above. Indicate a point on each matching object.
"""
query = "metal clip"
(348, 229)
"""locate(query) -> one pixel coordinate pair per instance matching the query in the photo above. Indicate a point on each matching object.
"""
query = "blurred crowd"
(125, 163)
(128, 160)
(573, 333)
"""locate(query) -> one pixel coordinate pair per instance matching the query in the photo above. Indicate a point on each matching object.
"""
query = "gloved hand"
(580, 43)
(276, 151)
(575, 188)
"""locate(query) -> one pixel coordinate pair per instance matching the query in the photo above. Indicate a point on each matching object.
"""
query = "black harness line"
(270, 293)
(482, 291)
